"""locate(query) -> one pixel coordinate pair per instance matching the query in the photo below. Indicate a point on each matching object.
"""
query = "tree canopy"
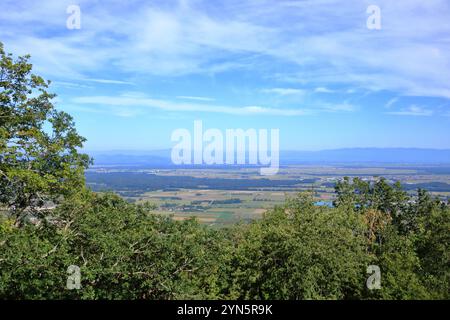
(39, 145)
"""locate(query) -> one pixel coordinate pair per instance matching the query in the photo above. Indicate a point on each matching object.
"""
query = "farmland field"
(221, 197)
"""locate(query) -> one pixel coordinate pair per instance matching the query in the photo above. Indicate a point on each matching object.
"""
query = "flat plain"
(222, 196)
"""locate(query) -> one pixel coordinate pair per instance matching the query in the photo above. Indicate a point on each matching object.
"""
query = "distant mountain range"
(161, 158)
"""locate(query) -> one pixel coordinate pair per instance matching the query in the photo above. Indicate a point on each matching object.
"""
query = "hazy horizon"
(281, 150)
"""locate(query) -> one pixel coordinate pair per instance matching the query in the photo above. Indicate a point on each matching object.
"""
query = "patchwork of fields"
(214, 206)
(225, 196)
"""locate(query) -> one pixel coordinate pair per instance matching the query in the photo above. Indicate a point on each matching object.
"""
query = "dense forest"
(144, 182)
(125, 251)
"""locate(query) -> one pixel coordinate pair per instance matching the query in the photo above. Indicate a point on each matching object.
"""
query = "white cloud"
(71, 85)
(133, 103)
(129, 102)
(108, 81)
(284, 91)
(195, 98)
(345, 107)
(325, 42)
(390, 103)
(413, 111)
(323, 90)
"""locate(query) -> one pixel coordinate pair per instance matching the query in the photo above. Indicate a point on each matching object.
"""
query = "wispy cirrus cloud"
(195, 98)
(324, 42)
(284, 91)
(108, 81)
(138, 101)
(413, 110)
(134, 103)
(391, 102)
(323, 90)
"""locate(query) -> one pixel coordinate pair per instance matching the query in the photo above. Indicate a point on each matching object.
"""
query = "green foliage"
(432, 241)
(300, 251)
(124, 252)
(409, 238)
(39, 158)
(360, 195)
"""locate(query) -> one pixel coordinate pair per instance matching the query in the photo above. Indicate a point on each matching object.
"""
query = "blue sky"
(137, 70)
